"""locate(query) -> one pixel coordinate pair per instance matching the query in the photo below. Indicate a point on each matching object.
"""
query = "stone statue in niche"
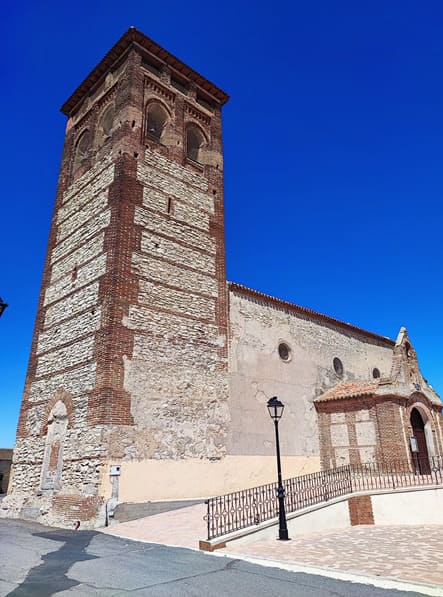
(53, 456)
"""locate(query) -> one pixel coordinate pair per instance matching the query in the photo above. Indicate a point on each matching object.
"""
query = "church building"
(149, 373)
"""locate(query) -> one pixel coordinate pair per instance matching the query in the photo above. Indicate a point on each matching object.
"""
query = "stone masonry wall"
(5, 468)
(257, 373)
(176, 376)
(64, 356)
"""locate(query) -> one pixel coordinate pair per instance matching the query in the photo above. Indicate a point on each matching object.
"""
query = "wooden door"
(421, 460)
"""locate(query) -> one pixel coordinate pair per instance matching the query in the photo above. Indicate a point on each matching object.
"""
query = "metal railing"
(397, 473)
(248, 507)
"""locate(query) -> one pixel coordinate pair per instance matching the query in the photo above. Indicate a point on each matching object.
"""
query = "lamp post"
(2, 306)
(275, 409)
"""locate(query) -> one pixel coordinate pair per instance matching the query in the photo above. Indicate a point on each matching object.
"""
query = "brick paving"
(408, 553)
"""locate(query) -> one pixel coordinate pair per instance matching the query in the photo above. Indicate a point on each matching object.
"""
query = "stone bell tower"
(129, 354)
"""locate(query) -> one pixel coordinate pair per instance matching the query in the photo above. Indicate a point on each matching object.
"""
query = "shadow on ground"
(51, 575)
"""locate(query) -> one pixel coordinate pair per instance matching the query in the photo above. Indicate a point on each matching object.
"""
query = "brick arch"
(100, 138)
(155, 100)
(65, 397)
(84, 133)
(152, 102)
(422, 404)
(81, 158)
(194, 124)
(192, 127)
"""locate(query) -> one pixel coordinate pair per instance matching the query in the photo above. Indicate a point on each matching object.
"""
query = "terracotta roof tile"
(349, 389)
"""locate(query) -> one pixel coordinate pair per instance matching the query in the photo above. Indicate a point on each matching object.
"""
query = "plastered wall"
(151, 480)
(257, 373)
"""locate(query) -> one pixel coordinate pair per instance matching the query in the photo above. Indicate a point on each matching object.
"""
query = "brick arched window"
(105, 126)
(81, 150)
(156, 120)
(195, 142)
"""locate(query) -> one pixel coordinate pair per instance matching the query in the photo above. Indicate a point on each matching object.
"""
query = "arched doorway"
(420, 458)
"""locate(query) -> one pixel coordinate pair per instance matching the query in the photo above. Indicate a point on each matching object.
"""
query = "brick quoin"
(109, 403)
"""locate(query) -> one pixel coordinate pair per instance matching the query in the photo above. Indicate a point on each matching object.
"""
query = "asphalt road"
(38, 561)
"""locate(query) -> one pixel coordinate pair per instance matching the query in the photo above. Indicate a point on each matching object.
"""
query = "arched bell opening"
(156, 121)
(195, 144)
(419, 444)
(105, 126)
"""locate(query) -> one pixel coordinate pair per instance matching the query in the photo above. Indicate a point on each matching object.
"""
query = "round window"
(338, 366)
(284, 352)
(375, 373)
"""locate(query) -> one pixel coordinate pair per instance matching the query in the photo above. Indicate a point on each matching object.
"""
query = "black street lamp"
(275, 408)
(2, 306)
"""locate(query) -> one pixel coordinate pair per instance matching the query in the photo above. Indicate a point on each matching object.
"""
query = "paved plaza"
(179, 528)
(403, 553)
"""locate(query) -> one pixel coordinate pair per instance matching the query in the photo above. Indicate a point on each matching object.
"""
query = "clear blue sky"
(333, 143)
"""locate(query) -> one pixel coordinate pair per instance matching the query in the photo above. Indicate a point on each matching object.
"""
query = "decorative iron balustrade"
(241, 509)
(248, 507)
(397, 473)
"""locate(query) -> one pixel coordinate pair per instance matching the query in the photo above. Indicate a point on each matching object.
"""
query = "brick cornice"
(135, 38)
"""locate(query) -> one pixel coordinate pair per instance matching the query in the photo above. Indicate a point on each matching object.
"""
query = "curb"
(354, 577)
